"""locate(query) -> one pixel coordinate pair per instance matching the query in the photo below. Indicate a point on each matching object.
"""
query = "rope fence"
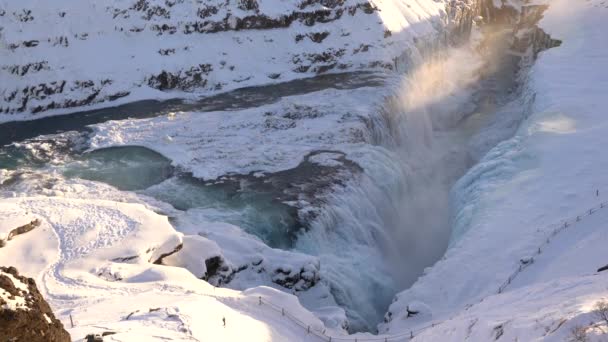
(553, 229)
(322, 334)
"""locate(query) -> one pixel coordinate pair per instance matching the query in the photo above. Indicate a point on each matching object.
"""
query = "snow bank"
(14, 301)
(94, 260)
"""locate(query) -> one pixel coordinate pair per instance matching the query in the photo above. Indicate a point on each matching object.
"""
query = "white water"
(380, 231)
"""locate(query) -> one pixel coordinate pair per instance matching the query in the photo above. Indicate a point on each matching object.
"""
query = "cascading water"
(378, 233)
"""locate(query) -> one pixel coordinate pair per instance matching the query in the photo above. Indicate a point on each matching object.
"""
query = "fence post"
(411, 334)
(308, 330)
(260, 299)
(282, 311)
(71, 321)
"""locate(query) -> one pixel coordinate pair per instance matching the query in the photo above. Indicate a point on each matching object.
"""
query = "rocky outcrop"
(5, 237)
(188, 79)
(530, 38)
(524, 41)
(299, 280)
(24, 315)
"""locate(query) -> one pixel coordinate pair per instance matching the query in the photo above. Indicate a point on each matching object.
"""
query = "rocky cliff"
(24, 314)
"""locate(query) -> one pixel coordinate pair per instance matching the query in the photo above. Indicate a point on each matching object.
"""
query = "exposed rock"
(24, 315)
(22, 70)
(4, 238)
(248, 5)
(531, 36)
(316, 37)
(159, 260)
(187, 79)
(299, 280)
(203, 258)
(218, 271)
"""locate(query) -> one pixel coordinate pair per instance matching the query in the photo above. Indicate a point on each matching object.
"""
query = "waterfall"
(379, 231)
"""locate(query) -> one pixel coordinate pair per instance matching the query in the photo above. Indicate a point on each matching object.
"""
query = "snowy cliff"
(67, 54)
(529, 220)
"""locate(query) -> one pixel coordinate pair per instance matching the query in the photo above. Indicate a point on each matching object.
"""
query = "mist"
(376, 235)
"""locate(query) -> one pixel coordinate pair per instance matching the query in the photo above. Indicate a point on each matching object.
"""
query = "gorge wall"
(68, 54)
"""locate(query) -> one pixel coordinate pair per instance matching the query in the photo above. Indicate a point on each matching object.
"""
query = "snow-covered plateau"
(386, 170)
(65, 54)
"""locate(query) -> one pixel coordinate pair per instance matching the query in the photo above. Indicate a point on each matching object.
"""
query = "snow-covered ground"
(508, 204)
(77, 238)
(69, 54)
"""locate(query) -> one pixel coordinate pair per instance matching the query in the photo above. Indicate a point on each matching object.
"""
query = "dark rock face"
(33, 321)
(187, 80)
(21, 98)
(532, 36)
(248, 5)
(300, 280)
(18, 231)
(218, 272)
(306, 20)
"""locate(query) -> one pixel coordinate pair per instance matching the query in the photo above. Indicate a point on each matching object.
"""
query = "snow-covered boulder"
(24, 314)
(245, 257)
(203, 258)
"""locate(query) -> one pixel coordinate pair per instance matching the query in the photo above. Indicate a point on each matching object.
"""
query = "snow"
(14, 302)
(344, 238)
(510, 202)
(117, 47)
(94, 251)
(268, 138)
